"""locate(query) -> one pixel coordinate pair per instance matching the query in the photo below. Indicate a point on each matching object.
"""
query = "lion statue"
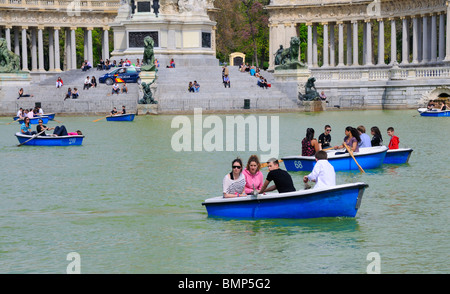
(311, 93)
(149, 56)
(288, 58)
(9, 61)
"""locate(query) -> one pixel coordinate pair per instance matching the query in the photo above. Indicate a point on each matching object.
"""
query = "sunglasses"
(329, 130)
(235, 166)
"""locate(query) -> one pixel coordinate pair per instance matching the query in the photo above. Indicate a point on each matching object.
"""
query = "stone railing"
(72, 5)
(393, 73)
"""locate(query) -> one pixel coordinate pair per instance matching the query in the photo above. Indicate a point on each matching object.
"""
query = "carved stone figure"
(148, 96)
(288, 58)
(311, 93)
(149, 56)
(278, 55)
(156, 7)
(9, 61)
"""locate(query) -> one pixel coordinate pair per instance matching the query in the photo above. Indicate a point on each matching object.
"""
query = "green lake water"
(126, 202)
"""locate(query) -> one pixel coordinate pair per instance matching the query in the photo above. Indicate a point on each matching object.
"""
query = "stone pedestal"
(15, 79)
(313, 106)
(293, 81)
(144, 109)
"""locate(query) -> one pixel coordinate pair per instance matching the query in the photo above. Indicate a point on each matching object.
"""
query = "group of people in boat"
(242, 181)
(25, 129)
(432, 106)
(355, 138)
(30, 113)
(115, 112)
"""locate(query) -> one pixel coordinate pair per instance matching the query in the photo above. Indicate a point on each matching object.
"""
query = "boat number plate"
(298, 164)
(72, 141)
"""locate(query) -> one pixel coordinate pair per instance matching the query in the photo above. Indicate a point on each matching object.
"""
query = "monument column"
(405, 44)
(447, 44)
(41, 48)
(355, 43)
(90, 49)
(56, 42)
(380, 42)
(349, 43)
(368, 42)
(310, 61)
(314, 44)
(33, 50)
(325, 45)
(433, 38)
(332, 46)
(415, 40)
(393, 42)
(441, 36)
(105, 43)
(24, 49)
(73, 48)
(16, 41)
(8, 36)
(67, 50)
(425, 41)
(341, 43)
(51, 51)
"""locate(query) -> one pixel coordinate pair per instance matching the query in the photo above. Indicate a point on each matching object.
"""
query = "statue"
(148, 96)
(156, 7)
(311, 93)
(149, 56)
(9, 61)
(288, 58)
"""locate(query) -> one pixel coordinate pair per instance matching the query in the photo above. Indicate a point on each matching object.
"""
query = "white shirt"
(323, 174)
(41, 111)
(365, 141)
(233, 186)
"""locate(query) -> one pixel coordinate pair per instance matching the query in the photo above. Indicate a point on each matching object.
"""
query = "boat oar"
(101, 118)
(265, 163)
(351, 154)
(30, 139)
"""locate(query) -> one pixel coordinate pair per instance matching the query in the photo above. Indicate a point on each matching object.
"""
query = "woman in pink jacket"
(253, 176)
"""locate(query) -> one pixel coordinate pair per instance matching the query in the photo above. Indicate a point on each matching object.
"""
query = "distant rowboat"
(435, 113)
(368, 158)
(121, 117)
(51, 116)
(35, 120)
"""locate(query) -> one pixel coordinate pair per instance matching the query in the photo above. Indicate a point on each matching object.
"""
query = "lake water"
(126, 202)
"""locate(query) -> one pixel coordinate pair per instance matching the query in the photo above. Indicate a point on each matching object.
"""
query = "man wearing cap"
(281, 178)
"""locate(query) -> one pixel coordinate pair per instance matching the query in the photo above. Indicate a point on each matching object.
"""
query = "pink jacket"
(250, 180)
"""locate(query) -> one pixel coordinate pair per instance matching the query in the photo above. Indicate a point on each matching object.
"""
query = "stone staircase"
(173, 95)
(92, 101)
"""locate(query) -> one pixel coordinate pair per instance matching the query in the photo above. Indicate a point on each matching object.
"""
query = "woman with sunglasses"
(41, 128)
(25, 127)
(234, 182)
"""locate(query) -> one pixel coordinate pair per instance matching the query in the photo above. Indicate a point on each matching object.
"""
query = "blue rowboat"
(368, 158)
(121, 117)
(436, 113)
(51, 116)
(35, 120)
(337, 201)
(398, 156)
(50, 140)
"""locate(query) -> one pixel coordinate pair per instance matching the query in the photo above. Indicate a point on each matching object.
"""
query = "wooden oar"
(351, 154)
(30, 139)
(101, 118)
(265, 163)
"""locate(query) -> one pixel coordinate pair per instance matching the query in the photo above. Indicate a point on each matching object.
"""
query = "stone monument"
(181, 29)
(10, 72)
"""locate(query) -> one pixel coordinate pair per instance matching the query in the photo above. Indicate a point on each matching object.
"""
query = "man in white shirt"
(323, 172)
